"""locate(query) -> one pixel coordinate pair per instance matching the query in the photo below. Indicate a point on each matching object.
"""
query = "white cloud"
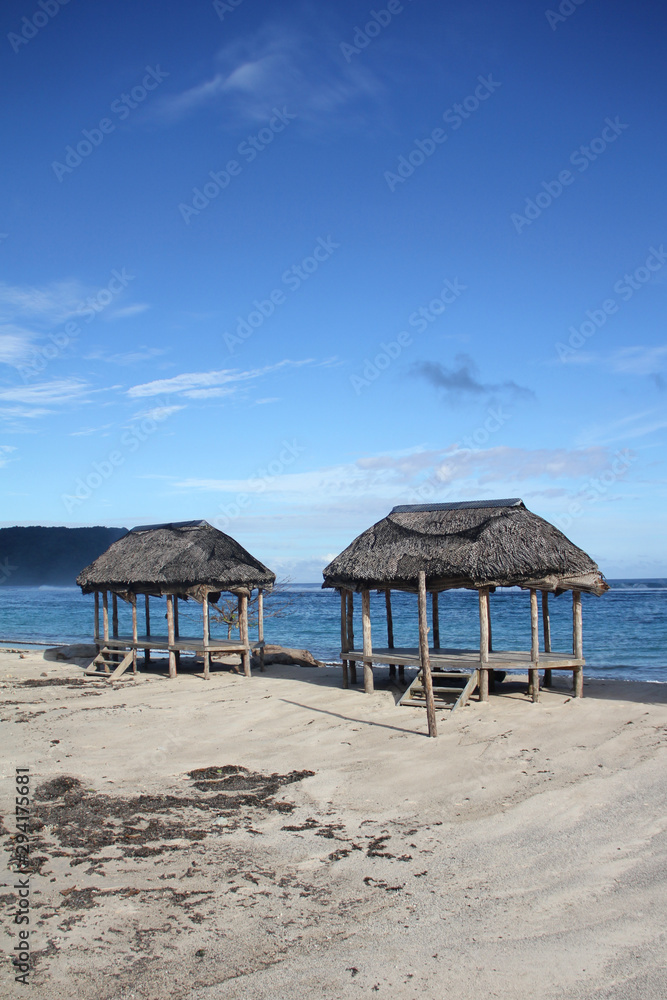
(201, 385)
(128, 311)
(48, 305)
(57, 392)
(5, 452)
(639, 360)
(129, 357)
(15, 344)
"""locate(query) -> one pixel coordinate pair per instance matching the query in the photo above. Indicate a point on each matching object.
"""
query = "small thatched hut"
(186, 559)
(479, 545)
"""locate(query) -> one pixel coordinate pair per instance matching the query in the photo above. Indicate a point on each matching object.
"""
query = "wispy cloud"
(635, 425)
(57, 392)
(203, 385)
(47, 305)
(5, 453)
(127, 312)
(127, 358)
(460, 381)
(281, 65)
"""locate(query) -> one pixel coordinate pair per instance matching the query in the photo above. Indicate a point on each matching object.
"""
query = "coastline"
(510, 857)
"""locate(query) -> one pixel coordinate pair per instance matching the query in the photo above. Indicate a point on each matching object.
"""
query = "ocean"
(625, 631)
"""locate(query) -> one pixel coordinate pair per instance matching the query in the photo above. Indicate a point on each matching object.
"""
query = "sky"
(285, 265)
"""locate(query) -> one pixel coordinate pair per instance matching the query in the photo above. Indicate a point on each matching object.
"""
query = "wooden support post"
(488, 615)
(177, 631)
(171, 635)
(350, 635)
(436, 620)
(390, 629)
(207, 636)
(343, 635)
(483, 644)
(135, 632)
(114, 616)
(260, 627)
(147, 652)
(105, 614)
(243, 633)
(97, 618)
(424, 657)
(577, 644)
(546, 631)
(368, 644)
(534, 684)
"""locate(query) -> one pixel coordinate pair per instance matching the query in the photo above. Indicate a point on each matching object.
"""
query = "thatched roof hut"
(478, 545)
(184, 559)
(473, 544)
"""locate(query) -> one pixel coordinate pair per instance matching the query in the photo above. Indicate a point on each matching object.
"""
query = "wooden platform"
(182, 645)
(467, 659)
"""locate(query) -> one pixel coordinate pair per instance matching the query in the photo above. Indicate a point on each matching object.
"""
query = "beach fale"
(178, 560)
(477, 545)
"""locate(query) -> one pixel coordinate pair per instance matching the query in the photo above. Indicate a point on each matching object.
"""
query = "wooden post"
(260, 627)
(534, 685)
(147, 652)
(177, 631)
(207, 636)
(488, 615)
(483, 644)
(171, 635)
(350, 635)
(97, 618)
(135, 632)
(114, 617)
(243, 633)
(424, 658)
(390, 629)
(546, 631)
(436, 620)
(343, 635)
(368, 644)
(105, 614)
(577, 644)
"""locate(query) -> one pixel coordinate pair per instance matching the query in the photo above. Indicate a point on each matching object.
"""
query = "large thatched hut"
(180, 560)
(479, 545)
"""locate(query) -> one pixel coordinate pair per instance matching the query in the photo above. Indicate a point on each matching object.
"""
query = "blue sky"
(283, 266)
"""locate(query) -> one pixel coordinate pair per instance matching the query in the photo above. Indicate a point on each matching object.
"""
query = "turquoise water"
(625, 632)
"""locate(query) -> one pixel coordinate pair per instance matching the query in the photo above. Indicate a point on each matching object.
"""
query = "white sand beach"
(522, 854)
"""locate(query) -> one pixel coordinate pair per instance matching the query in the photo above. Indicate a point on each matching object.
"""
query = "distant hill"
(32, 557)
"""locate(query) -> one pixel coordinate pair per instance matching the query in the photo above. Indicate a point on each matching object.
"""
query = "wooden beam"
(97, 616)
(368, 644)
(577, 644)
(260, 627)
(135, 632)
(147, 652)
(350, 635)
(105, 614)
(425, 661)
(343, 635)
(207, 636)
(177, 631)
(534, 685)
(114, 616)
(436, 620)
(546, 631)
(171, 635)
(243, 633)
(483, 644)
(488, 615)
(390, 629)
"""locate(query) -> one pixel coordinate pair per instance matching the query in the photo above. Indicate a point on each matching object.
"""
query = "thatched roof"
(187, 557)
(496, 543)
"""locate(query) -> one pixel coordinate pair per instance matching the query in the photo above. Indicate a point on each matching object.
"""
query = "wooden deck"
(467, 659)
(182, 644)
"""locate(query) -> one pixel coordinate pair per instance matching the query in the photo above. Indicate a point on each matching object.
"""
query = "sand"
(522, 854)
